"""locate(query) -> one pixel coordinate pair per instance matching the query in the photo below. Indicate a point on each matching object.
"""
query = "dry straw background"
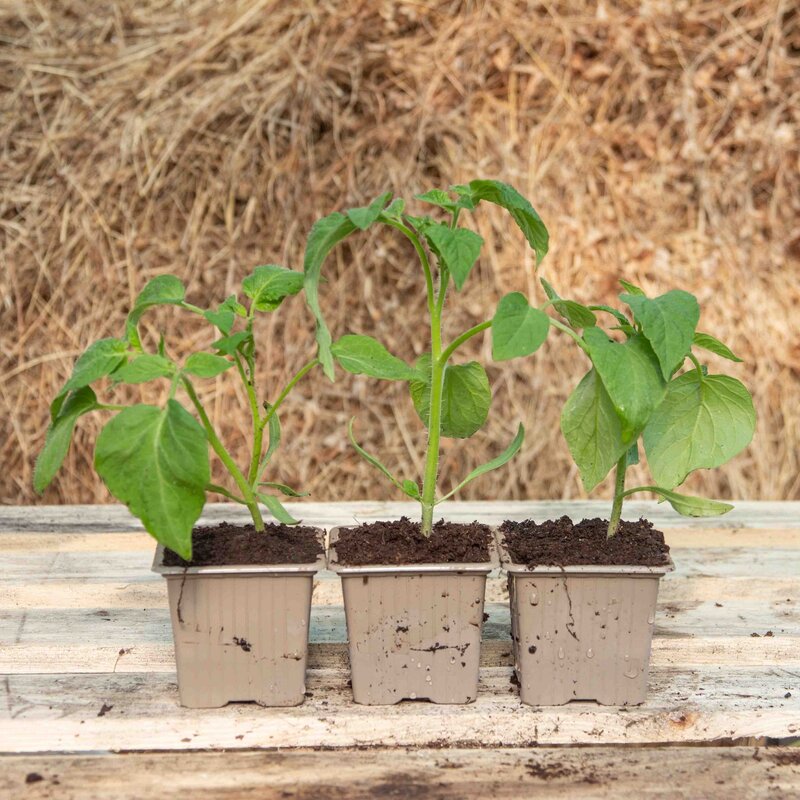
(658, 140)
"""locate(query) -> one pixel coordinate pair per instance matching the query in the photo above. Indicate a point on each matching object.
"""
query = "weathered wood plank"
(55, 715)
(102, 518)
(746, 773)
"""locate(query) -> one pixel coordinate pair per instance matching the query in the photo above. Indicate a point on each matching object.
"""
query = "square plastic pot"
(414, 632)
(240, 632)
(582, 632)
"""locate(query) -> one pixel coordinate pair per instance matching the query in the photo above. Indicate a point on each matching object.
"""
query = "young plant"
(637, 387)
(452, 400)
(155, 458)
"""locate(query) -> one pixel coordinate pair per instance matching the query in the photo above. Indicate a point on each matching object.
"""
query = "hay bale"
(202, 138)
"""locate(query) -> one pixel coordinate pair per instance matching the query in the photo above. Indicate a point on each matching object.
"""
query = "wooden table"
(91, 710)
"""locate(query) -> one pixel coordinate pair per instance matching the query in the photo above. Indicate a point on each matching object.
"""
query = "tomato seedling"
(452, 400)
(155, 458)
(637, 387)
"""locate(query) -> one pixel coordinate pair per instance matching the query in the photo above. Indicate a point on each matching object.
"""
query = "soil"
(401, 541)
(562, 543)
(227, 544)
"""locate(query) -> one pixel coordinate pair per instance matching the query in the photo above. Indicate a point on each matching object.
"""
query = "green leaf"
(576, 314)
(518, 329)
(145, 367)
(225, 314)
(593, 430)
(206, 365)
(273, 434)
(631, 288)
(714, 345)
(668, 322)
(457, 248)
(363, 355)
(277, 510)
(56, 444)
(437, 197)
(632, 456)
(364, 217)
(466, 397)
(268, 285)
(371, 459)
(325, 234)
(495, 463)
(161, 290)
(700, 424)
(520, 209)
(97, 361)
(411, 488)
(155, 460)
(618, 315)
(631, 375)
(283, 489)
(230, 345)
(394, 210)
(691, 506)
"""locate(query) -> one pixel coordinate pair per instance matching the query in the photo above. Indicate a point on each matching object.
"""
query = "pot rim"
(242, 570)
(578, 570)
(459, 568)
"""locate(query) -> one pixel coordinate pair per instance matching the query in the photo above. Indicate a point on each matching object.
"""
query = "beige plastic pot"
(583, 632)
(414, 632)
(241, 632)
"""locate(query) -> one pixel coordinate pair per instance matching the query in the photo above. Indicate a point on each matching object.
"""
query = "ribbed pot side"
(414, 632)
(582, 633)
(241, 633)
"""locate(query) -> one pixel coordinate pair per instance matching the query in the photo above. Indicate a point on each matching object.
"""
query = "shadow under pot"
(241, 629)
(414, 629)
(583, 631)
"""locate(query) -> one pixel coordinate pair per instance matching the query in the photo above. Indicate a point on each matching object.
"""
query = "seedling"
(155, 458)
(638, 388)
(452, 400)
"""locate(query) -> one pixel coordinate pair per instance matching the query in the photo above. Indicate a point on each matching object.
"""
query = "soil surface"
(227, 544)
(563, 543)
(401, 542)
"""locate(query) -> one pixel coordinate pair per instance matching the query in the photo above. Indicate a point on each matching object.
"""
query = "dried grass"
(659, 141)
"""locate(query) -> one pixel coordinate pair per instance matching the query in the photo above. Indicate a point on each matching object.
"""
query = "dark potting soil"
(402, 542)
(563, 543)
(227, 544)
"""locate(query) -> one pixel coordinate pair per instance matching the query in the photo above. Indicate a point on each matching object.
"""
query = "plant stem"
(619, 493)
(458, 341)
(566, 329)
(298, 376)
(250, 499)
(213, 487)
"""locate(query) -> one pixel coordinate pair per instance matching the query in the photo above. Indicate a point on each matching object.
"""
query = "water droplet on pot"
(590, 653)
(627, 657)
(651, 617)
(631, 672)
(561, 652)
(412, 696)
(419, 665)
(534, 597)
(453, 660)
(428, 678)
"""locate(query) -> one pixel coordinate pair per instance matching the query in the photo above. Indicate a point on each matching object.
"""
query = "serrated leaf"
(518, 329)
(691, 506)
(325, 234)
(223, 318)
(59, 434)
(206, 365)
(370, 459)
(631, 375)
(592, 429)
(277, 510)
(631, 288)
(363, 355)
(268, 285)
(155, 460)
(576, 314)
(700, 424)
(714, 345)
(145, 367)
(668, 322)
(437, 197)
(495, 463)
(230, 345)
(523, 213)
(161, 290)
(364, 217)
(466, 397)
(394, 210)
(283, 489)
(457, 248)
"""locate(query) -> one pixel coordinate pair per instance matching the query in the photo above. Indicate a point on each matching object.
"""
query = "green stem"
(697, 366)
(111, 407)
(423, 257)
(458, 341)
(619, 493)
(434, 426)
(299, 375)
(213, 487)
(566, 329)
(245, 488)
(258, 428)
